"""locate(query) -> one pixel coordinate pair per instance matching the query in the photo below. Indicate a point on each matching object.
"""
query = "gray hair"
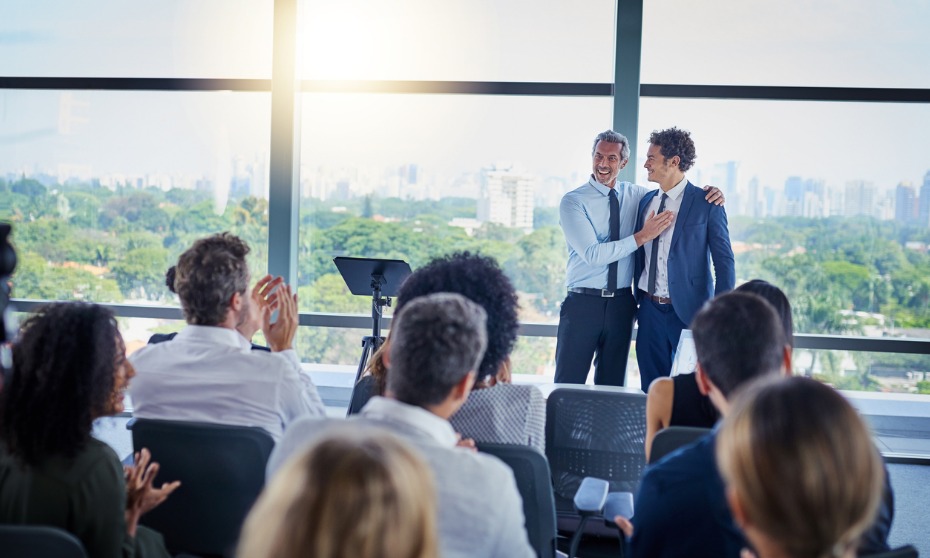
(207, 276)
(613, 137)
(435, 341)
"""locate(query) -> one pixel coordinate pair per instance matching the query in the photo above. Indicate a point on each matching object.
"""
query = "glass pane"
(460, 40)
(111, 38)
(106, 189)
(853, 43)
(376, 182)
(829, 201)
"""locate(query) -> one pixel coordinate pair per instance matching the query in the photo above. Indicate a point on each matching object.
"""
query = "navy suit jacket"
(701, 235)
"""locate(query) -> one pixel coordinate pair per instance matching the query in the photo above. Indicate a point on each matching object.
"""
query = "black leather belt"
(604, 293)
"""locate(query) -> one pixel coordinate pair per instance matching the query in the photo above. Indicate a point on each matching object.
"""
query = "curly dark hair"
(672, 142)
(169, 278)
(63, 374)
(479, 279)
(208, 274)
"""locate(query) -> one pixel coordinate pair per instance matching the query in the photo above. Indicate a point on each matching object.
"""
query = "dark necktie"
(653, 262)
(614, 223)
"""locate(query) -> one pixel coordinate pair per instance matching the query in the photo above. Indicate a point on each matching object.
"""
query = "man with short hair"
(208, 372)
(598, 220)
(681, 508)
(437, 343)
(672, 272)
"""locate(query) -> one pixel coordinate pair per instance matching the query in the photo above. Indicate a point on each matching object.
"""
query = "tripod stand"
(381, 278)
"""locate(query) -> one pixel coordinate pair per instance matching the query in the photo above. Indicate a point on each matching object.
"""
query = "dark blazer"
(701, 235)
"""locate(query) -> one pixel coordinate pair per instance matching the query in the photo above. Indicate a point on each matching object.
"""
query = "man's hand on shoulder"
(653, 226)
(714, 195)
(280, 334)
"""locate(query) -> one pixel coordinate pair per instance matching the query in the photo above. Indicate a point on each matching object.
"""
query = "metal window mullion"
(284, 170)
(629, 47)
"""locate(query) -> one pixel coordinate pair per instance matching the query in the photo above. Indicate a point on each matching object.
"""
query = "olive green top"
(85, 496)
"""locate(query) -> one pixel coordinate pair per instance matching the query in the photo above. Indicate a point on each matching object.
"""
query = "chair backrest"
(38, 541)
(365, 389)
(595, 434)
(531, 471)
(672, 438)
(222, 472)
(906, 551)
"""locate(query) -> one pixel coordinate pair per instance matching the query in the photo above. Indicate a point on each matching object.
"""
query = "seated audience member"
(70, 368)
(208, 372)
(437, 342)
(680, 507)
(249, 327)
(354, 494)
(676, 401)
(497, 411)
(800, 484)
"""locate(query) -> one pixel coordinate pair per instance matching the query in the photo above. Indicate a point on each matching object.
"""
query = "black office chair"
(38, 541)
(597, 434)
(222, 472)
(531, 471)
(906, 551)
(365, 389)
(672, 438)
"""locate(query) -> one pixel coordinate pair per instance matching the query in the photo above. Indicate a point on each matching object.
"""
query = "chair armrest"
(618, 503)
(591, 496)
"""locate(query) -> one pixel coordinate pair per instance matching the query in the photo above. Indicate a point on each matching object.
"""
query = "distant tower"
(905, 204)
(794, 196)
(860, 198)
(923, 215)
(506, 197)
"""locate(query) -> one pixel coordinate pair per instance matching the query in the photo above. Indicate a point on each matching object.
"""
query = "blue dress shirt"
(584, 215)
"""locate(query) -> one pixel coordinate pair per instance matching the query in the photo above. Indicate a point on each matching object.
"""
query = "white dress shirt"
(479, 507)
(210, 374)
(673, 204)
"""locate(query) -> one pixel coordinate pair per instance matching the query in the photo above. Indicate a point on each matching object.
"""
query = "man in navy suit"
(672, 273)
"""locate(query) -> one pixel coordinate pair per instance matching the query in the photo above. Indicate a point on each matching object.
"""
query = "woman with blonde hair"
(803, 477)
(352, 494)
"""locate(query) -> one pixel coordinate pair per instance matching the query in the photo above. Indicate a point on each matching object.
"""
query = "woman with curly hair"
(497, 411)
(353, 494)
(69, 369)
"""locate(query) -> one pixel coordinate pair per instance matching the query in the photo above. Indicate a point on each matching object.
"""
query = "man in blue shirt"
(598, 220)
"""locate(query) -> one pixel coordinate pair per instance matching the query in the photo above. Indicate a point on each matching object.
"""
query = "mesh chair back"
(594, 434)
(906, 551)
(365, 389)
(34, 541)
(672, 438)
(531, 472)
(222, 472)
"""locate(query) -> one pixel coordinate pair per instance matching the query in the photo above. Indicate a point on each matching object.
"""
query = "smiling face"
(607, 162)
(658, 168)
(121, 376)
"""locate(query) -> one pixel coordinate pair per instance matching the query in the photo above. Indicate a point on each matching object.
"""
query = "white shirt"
(210, 374)
(673, 204)
(480, 511)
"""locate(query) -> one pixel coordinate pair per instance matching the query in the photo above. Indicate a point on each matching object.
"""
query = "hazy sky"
(817, 43)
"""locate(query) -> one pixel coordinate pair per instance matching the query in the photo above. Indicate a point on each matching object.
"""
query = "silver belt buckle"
(606, 294)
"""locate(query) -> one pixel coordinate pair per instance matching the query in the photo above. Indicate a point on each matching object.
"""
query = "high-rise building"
(905, 204)
(860, 198)
(923, 203)
(506, 197)
(794, 196)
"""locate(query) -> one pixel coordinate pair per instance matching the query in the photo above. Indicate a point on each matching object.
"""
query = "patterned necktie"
(614, 223)
(655, 251)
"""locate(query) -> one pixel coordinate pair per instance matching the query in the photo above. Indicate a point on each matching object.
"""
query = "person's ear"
(463, 387)
(236, 301)
(787, 360)
(675, 161)
(703, 382)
